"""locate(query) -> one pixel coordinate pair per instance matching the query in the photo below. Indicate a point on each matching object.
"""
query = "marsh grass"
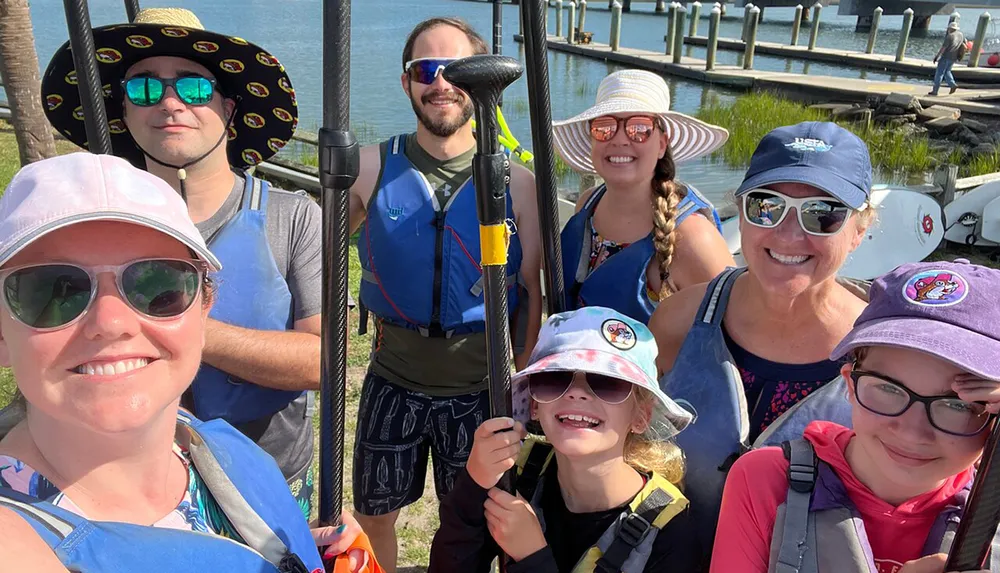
(894, 152)
(980, 165)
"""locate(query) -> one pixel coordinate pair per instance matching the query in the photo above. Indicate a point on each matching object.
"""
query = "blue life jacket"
(251, 293)
(420, 261)
(620, 281)
(245, 483)
(705, 378)
(819, 529)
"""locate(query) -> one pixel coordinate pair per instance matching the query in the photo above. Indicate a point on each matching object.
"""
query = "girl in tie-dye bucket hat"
(602, 490)
(923, 372)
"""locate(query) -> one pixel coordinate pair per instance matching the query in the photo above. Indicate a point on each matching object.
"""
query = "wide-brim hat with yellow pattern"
(266, 109)
(635, 91)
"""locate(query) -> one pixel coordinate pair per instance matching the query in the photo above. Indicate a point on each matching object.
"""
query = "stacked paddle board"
(974, 217)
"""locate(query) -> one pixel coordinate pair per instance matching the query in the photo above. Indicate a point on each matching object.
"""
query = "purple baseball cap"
(817, 153)
(948, 310)
(54, 193)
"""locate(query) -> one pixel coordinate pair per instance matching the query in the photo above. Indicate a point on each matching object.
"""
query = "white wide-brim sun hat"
(635, 91)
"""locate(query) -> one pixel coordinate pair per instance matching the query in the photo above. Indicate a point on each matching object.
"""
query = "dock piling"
(814, 32)
(746, 20)
(977, 45)
(796, 24)
(713, 37)
(679, 33)
(671, 26)
(751, 43)
(559, 18)
(695, 15)
(873, 33)
(571, 31)
(616, 26)
(904, 34)
(661, 6)
(582, 18)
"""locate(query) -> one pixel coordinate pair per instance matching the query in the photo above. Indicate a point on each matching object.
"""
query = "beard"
(443, 127)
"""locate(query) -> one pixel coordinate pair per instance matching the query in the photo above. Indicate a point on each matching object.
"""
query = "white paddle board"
(909, 227)
(964, 215)
(991, 222)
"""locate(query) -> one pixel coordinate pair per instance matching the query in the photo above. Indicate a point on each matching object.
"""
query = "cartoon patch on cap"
(618, 334)
(935, 288)
(809, 144)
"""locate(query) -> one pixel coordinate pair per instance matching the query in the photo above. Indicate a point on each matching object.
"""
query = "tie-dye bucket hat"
(598, 340)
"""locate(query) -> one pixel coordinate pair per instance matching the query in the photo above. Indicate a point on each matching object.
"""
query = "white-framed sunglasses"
(426, 70)
(822, 216)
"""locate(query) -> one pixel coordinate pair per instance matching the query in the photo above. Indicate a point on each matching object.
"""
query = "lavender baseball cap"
(949, 310)
(54, 193)
(600, 340)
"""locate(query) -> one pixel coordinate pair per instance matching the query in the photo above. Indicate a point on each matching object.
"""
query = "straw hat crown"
(635, 91)
(169, 17)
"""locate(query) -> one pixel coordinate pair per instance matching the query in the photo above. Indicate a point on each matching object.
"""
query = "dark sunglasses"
(949, 414)
(638, 128)
(547, 387)
(819, 216)
(145, 91)
(426, 70)
(52, 296)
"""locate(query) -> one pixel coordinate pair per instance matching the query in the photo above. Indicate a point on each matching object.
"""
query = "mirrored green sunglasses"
(145, 91)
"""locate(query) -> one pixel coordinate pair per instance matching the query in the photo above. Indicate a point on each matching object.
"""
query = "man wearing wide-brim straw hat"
(197, 108)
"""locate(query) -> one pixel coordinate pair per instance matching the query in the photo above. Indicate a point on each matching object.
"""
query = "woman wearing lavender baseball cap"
(923, 364)
(105, 294)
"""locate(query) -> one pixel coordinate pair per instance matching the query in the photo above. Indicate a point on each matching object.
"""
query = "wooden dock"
(809, 87)
(882, 62)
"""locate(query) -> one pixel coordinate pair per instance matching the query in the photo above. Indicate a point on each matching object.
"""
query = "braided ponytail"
(666, 196)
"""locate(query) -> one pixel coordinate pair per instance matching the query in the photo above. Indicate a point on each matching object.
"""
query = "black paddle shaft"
(81, 41)
(484, 78)
(339, 163)
(132, 9)
(982, 512)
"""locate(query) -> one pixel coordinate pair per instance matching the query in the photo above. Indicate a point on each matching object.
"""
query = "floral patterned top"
(602, 249)
(771, 388)
(197, 510)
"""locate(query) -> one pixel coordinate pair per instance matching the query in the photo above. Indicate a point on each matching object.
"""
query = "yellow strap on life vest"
(588, 563)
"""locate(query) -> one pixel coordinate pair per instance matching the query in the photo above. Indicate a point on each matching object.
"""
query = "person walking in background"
(952, 50)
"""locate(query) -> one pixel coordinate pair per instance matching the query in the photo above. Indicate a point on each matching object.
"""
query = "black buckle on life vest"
(631, 533)
(801, 476)
(435, 331)
(292, 563)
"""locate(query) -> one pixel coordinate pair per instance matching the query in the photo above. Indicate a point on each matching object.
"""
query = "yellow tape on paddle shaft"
(493, 242)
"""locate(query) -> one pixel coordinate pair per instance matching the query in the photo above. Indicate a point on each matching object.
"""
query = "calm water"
(291, 29)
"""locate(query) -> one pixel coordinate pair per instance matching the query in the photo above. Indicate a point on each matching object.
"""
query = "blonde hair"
(666, 196)
(661, 456)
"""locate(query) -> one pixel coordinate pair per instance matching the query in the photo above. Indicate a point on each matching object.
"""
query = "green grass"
(980, 165)
(894, 152)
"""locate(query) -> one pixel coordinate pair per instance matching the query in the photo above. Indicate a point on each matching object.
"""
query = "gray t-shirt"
(294, 232)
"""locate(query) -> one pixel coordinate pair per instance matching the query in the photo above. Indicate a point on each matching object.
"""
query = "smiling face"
(623, 162)
(441, 107)
(113, 370)
(171, 130)
(579, 424)
(906, 454)
(785, 259)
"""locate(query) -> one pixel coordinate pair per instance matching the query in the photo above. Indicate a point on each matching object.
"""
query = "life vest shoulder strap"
(802, 472)
(626, 546)
(713, 306)
(254, 194)
(532, 461)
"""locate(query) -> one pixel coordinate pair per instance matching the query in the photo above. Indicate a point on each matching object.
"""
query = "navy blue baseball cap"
(821, 154)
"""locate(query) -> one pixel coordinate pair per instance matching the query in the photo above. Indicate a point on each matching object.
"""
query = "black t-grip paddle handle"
(971, 547)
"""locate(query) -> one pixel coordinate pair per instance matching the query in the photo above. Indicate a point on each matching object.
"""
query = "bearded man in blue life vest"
(197, 108)
(426, 389)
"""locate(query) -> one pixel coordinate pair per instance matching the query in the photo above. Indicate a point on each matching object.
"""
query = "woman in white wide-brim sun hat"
(634, 249)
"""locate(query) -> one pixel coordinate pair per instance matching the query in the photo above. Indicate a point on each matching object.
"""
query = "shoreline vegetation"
(898, 152)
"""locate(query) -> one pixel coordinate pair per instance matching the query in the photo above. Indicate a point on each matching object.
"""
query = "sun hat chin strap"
(182, 169)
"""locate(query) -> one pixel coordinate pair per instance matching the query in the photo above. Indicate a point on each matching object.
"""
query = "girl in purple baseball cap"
(602, 491)
(923, 371)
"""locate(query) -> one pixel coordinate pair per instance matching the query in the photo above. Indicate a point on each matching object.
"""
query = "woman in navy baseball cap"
(923, 371)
